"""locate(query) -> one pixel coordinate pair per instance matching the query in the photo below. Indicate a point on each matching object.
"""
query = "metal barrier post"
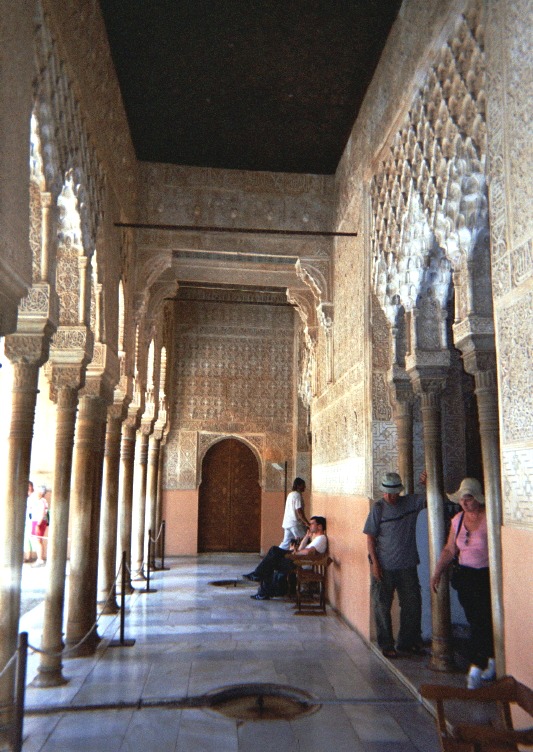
(122, 643)
(163, 541)
(148, 589)
(20, 689)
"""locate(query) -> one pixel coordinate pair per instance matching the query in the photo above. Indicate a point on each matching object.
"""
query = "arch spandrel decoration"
(183, 466)
(254, 442)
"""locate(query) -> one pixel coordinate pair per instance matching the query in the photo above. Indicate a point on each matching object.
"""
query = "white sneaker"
(473, 679)
(490, 672)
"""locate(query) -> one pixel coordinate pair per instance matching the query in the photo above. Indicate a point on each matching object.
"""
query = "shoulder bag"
(455, 568)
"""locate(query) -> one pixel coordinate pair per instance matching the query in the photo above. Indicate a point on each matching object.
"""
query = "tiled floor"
(192, 638)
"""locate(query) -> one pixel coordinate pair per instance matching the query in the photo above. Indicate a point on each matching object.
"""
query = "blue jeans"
(405, 583)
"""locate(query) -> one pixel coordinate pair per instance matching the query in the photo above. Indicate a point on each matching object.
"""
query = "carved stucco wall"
(79, 29)
(339, 421)
(233, 374)
(510, 104)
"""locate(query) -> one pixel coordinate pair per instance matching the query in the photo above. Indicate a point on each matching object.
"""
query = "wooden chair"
(497, 735)
(311, 573)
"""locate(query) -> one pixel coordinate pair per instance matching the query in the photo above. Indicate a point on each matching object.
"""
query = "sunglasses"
(467, 537)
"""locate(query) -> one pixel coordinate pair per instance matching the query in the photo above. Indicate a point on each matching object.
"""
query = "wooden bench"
(498, 735)
(310, 573)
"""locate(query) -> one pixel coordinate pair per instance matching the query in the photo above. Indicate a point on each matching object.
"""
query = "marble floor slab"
(192, 638)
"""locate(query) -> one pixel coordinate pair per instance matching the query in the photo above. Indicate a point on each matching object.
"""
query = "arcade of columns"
(80, 308)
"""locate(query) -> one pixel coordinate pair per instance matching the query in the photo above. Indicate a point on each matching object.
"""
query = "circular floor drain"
(229, 583)
(262, 702)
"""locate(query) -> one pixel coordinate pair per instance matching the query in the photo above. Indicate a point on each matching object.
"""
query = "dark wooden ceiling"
(245, 84)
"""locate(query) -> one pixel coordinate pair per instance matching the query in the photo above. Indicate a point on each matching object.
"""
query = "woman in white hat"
(468, 541)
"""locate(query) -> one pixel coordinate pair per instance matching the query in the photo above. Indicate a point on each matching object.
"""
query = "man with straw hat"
(391, 538)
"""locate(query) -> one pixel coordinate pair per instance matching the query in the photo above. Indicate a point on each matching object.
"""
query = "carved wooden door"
(229, 515)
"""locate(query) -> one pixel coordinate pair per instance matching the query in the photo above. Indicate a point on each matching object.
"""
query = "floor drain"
(262, 702)
(229, 583)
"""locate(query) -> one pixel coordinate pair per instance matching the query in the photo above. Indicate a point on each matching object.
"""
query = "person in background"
(295, 522)
(28, 547)
(469, 541)
(39, 523)
(391, 540)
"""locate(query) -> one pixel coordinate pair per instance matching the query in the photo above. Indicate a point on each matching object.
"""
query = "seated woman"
(314, 543)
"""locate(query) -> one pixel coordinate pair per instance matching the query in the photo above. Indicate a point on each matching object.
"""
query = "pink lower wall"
(180, 512)
(272, 509)
(517, 553)
(349, 583)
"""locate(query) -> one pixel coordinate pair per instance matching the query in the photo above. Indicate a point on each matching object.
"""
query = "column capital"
(102, 374)
(30, 349)
(400, 386)
(146, 427)
(428, 370)
(117, 411)
(64, 377)
(474, 337)
(39, 310)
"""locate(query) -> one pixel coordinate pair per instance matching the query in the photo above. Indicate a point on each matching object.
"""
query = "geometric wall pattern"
(233, 375)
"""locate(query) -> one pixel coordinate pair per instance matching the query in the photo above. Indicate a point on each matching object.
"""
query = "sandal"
(389, 653)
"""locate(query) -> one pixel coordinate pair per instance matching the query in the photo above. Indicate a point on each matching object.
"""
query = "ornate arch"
(429, 195)
(254, 442)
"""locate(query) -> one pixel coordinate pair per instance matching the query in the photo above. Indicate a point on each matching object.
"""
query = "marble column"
(86, 479)
(24, 396)
(107, 569)
(139, 504)
(487, 403)
(474, 337)
(402, 397)
(50, 668)
(159, 499)
(441, 642)
(125, 499)
(151, 490)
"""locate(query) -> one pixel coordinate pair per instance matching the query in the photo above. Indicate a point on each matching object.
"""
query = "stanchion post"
(149, 560)
(122, 643)
(20, 689)
(148, 589)
(163, 542)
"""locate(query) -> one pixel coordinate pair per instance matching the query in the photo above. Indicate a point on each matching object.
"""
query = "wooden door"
(229, 515)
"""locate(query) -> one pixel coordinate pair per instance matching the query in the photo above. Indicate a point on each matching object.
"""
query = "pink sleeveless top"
(473, 546)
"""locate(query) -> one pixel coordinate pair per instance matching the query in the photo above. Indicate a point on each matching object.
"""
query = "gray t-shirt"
(394, 528)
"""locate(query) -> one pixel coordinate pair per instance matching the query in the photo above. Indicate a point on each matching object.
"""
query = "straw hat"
(469, 486)
(391, 483)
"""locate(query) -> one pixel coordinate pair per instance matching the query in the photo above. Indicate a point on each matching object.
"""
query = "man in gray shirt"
(391, 538)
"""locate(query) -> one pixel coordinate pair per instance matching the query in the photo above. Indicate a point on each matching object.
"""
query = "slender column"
(159, 499)
(139, 504)
(50, 668)
(151, 489)
(86, 478)
(125, 484)
(24, 396)
(402, 397)
(487, 402)
(98, 455)
(442, 652)
(108, 527)
(403, 418)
